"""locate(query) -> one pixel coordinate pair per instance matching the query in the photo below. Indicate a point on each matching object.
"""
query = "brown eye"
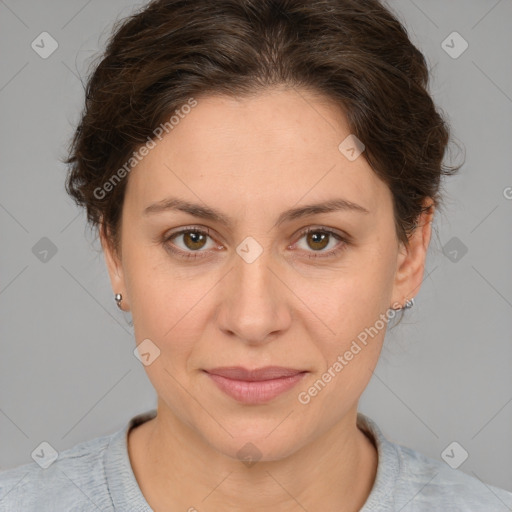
(194, 240)
(188, 243)
(318, 240)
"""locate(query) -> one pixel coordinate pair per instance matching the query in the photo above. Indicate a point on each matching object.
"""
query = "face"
(256, 286)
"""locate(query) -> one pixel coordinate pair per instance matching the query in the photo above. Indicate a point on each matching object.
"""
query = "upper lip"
(258, 374)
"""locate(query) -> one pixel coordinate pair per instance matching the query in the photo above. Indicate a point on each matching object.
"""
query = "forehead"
(277, 147)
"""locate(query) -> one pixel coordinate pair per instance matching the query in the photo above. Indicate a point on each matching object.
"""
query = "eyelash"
(197, 254)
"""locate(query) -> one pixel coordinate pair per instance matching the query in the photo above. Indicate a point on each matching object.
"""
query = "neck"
(176, 468)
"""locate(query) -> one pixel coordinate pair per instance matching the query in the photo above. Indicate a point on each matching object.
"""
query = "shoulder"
(75, 480)
(410, 481)
(425, 482)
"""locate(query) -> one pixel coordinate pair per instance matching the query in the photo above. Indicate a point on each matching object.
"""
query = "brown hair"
(354, 52)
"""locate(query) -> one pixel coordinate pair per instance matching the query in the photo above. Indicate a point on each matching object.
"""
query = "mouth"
(256, 386)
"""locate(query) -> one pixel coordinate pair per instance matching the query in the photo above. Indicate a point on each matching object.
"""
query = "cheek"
(356, 312)
(167, 306)
(155, 299)
(359, 296)
(358, 321)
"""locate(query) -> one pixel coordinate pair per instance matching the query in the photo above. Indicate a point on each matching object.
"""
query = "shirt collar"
(122, 484)
(126, 494)
(381, 497)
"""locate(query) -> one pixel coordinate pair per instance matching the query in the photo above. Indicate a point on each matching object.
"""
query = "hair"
(355, 53)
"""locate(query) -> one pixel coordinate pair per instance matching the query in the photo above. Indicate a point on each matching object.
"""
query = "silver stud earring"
(118, 298)
(409, 303)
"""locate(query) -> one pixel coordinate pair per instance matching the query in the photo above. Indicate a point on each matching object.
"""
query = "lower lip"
(255, 392)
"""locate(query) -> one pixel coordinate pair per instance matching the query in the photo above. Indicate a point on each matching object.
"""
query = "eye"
(193, 240)
(320, 238)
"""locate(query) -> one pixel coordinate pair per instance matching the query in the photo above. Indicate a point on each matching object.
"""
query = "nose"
(255, 302)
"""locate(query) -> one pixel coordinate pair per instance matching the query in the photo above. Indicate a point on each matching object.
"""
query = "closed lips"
(258, 374)
(255, 387)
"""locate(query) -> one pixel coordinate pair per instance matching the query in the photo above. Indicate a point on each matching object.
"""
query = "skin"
(252, 159)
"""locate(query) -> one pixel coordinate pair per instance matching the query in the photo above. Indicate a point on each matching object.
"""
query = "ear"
(412, 258)
(114, 266)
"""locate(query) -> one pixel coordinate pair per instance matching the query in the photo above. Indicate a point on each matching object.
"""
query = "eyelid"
(182, 229)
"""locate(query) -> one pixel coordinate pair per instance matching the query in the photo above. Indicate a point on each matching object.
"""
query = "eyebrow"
(208, 213)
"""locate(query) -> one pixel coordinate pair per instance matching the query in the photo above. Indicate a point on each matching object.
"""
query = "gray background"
(67, 369)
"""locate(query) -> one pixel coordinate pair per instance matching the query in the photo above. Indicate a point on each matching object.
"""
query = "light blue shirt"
(96, 475)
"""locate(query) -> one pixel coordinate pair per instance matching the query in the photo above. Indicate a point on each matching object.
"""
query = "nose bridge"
(253, 279)
(254, 304)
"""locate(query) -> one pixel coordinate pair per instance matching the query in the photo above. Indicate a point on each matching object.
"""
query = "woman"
(263, 176)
